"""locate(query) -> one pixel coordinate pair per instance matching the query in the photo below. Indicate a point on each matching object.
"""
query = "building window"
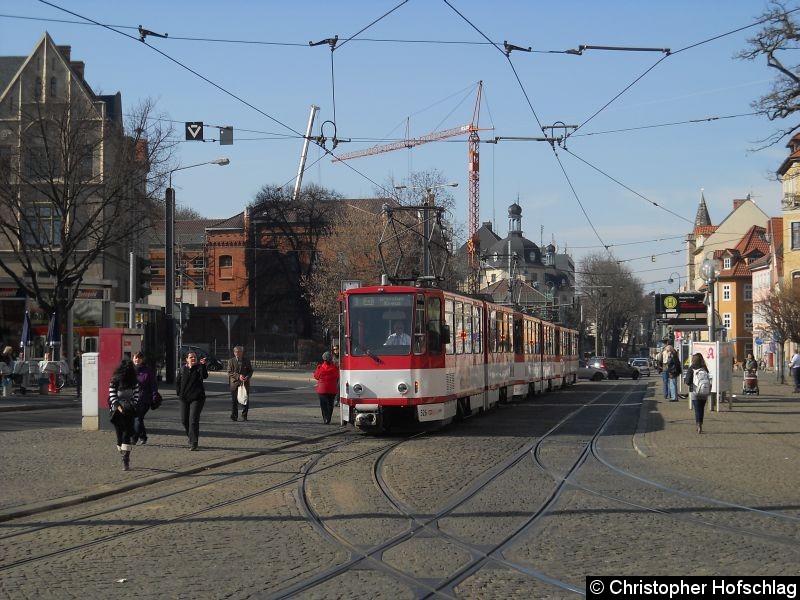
(748, 320)
(226, 296)
(726, 263)
(37, 91)
(796, 235)
(726, 291)
(494, 277)
(53, 87)
(226, 267)
(726, 320)
(748, 292)
(41, 226)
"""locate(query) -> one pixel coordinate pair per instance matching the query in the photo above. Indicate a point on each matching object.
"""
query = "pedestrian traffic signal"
(144, 275)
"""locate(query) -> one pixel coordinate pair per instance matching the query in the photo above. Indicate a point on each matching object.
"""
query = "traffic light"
(143, 275)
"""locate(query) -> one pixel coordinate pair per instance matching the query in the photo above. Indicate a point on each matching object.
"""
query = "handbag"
(241, 395)
(157, 400)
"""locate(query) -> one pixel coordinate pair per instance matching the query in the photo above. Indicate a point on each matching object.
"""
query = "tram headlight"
(402, 388)
(358, 389)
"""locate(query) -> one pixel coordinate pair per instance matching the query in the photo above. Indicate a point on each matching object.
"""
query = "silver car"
(591, 373)
(643, 365)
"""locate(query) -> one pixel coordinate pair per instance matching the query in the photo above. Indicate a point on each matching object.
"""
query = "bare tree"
(287, 243)
(75, 186)
(777, 41)
(611, 297)
(350, 252)
(781, 313)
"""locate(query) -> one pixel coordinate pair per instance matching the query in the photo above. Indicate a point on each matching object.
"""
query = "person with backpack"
(661, 365)
(699, 382)
(674, 370)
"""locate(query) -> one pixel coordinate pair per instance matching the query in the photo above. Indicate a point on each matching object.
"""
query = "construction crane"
(473, 175)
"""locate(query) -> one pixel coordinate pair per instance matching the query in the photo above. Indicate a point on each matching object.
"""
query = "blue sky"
(379, 84)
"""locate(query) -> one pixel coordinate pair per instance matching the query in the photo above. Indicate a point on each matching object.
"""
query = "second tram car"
(425, 356)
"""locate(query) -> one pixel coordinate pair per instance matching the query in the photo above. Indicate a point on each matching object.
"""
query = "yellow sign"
(670, 302)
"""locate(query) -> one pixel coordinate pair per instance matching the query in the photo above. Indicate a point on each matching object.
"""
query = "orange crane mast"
(473, 174)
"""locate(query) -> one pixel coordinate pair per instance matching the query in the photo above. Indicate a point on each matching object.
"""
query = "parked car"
(615, 367)
(643, 365)
(591, 373)
(212, 362)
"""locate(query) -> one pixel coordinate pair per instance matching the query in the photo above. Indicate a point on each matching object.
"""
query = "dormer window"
(726, 262)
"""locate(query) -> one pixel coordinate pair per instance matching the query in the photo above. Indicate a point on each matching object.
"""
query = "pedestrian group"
(133, 392)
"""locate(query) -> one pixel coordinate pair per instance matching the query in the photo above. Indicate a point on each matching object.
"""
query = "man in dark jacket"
(192, 395)
(240, 371)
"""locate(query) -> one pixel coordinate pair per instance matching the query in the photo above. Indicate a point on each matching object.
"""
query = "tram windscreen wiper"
(369, 353)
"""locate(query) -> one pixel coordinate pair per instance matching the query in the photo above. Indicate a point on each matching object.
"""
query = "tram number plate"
(430, 412)
(436, 412)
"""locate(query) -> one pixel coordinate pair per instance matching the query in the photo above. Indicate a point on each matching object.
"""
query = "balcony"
(791, 201)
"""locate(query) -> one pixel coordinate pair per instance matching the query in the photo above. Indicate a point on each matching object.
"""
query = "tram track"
(428, 525)
(166, 521)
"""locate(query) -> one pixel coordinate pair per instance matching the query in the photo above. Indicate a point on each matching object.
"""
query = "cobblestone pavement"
(284, 504)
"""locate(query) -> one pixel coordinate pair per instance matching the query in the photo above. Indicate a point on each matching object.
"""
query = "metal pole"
(304, 153)
(712, 333)
(426, 233)
(169, 292)
(132, 291)
(180, 316)
(596, 330)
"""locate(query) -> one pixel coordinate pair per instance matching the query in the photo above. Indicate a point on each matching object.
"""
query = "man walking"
(239, 373)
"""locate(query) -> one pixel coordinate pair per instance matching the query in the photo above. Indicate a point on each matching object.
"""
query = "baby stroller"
(750, 382)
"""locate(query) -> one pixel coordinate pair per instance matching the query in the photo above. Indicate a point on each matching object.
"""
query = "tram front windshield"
(380, 324)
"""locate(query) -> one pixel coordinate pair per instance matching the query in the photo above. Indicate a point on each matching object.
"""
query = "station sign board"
(682, 309)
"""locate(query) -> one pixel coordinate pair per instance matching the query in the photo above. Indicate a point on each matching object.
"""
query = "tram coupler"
(369, 420)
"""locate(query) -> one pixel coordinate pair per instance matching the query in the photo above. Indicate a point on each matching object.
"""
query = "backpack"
(674, 365)
(701, 382)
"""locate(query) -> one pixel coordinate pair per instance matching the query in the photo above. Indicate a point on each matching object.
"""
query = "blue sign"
(759, 341)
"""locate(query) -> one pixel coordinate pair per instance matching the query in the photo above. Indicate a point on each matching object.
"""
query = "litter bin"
(43, 383)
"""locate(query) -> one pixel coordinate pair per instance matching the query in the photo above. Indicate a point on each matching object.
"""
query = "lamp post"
(426, 224)
(170, 350)
(710, 270)
(671, 280)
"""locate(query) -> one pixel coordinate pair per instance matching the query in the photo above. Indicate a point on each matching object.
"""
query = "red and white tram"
(424, 356)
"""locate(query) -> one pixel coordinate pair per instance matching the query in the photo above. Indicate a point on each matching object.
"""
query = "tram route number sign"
(681, 309)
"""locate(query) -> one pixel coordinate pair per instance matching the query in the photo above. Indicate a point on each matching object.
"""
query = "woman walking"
(123, 396)
(699, 383)
(148, 388)
(192, 394)
(327, 376)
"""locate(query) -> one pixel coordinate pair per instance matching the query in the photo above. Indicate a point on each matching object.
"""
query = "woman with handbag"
(239, 373)
(123, 398)
(192, 394)
(148, 389)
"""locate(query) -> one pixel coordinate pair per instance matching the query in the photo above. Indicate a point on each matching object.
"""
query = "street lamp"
(171, 358)
(671, 280)
(426, 224)
(710, 270)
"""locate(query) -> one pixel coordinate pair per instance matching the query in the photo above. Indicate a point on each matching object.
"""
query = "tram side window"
(448, 318)
(477, 323)
(510, 332)
(493, 331)
(468, 329)
(518, 337)
(557, 342)
(459, 324)
(419, 325)
(434, 326)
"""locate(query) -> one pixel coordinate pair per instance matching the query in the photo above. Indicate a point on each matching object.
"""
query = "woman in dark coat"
(192, 394)
(123, 397)
(147, 397)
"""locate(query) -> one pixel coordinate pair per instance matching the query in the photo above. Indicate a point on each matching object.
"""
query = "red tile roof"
(705, 229)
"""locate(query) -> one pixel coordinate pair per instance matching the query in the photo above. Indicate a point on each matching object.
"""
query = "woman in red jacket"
(327, 376)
